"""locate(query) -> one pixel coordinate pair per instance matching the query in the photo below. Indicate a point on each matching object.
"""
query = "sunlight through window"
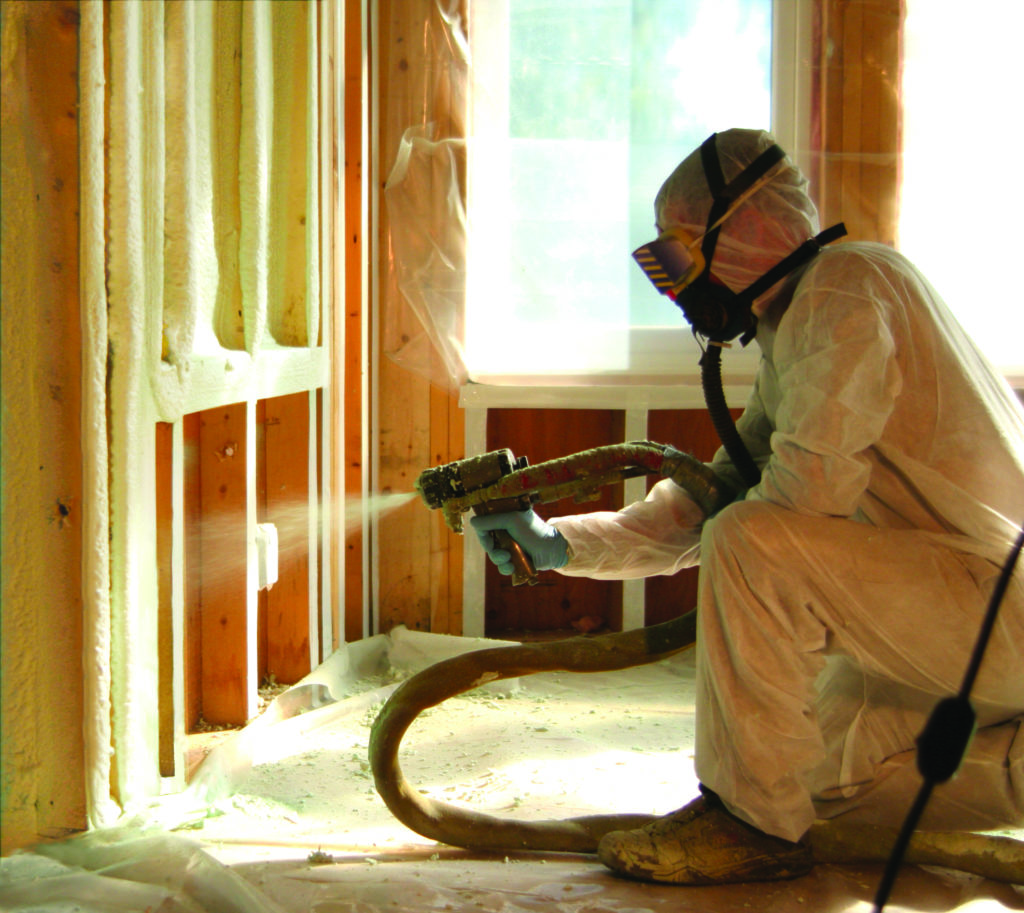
(960, 73)
(581, 110)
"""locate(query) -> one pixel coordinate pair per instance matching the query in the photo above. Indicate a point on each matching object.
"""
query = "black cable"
(945, 737)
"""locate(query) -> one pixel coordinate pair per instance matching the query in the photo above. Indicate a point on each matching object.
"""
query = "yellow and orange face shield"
(672, 262)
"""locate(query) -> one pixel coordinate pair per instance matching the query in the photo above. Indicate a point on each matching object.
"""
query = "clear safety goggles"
(671, 262)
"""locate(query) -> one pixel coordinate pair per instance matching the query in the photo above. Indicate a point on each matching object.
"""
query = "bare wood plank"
(881, 107)
(408, 78)
(223, 549)
(858, 91)
(447, 436)
(262, 639)
(193, 574)
(832, 116)
(165, 629)
(335, 316)
(856, 210)
(404, 534)
(439, 594)
(350, 389)
(286, 468)
(456, 451)
(324, 601)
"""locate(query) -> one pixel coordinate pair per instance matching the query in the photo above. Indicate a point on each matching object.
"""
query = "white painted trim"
(593, 396)
(792, 32)
(634, 591)
(370, 310)
(474, 560)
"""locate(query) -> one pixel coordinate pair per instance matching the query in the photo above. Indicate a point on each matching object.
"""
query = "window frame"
(674, 380)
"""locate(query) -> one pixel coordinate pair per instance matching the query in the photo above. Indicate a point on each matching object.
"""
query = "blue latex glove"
(545, 545)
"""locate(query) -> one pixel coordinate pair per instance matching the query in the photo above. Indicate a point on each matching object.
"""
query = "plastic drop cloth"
(575, 748)
(142, 865)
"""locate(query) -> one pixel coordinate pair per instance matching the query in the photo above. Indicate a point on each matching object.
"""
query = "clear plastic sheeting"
(426, 205)
(350, 683)
(123, 870)
(140, 865)
(425, 75)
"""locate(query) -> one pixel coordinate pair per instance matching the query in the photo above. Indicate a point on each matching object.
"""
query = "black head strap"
(724, 195)
(806, 251)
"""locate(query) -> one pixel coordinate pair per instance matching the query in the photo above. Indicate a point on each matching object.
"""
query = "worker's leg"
(987, 792)
(780, 593)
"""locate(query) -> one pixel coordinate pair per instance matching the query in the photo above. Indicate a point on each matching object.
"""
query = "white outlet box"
(266, 550)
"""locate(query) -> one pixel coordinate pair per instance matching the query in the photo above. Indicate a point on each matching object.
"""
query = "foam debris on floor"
(283, 817)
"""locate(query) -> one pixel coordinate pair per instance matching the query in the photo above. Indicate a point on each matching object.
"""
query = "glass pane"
(605, 97)
(955, 163)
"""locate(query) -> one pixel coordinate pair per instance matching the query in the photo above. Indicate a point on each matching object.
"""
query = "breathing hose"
(718, 409)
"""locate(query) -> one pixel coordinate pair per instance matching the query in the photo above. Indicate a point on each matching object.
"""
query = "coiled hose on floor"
(834, 841)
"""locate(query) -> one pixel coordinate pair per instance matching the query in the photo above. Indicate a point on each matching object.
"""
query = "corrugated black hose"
(714, 398)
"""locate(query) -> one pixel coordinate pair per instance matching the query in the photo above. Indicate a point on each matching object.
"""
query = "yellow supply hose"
(833, 841)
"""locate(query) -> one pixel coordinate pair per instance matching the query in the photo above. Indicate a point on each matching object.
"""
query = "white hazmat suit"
(840, 598)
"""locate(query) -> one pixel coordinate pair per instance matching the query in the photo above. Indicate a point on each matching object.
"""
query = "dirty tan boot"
(702, 843)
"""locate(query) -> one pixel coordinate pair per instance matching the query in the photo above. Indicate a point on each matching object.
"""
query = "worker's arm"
(659, 535)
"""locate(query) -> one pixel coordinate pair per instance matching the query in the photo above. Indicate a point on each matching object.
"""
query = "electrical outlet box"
(266, 549)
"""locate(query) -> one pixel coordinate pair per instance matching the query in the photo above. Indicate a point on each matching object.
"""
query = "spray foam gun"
(497, 482)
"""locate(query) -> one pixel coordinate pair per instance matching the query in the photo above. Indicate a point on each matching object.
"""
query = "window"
(960, 196)
(581, 109)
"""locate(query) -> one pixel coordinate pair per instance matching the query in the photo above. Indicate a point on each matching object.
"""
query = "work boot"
(703, 843)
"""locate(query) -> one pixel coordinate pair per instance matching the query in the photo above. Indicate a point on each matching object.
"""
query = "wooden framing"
(47, 515)
(856, 103)
(289, 437)
(418, 421)
(222, 275)
(556, 602)
(350, 373)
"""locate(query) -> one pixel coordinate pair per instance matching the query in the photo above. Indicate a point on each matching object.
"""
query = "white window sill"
(508, 392)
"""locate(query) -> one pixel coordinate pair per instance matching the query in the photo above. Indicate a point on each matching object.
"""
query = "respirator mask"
(679, 265)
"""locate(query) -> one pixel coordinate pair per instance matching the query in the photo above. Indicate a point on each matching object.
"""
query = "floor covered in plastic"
(282, 817)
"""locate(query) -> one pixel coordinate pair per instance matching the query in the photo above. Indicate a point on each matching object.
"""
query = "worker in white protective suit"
(841, 593)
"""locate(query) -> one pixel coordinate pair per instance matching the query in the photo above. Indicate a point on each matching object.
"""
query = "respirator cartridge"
(671, 262)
